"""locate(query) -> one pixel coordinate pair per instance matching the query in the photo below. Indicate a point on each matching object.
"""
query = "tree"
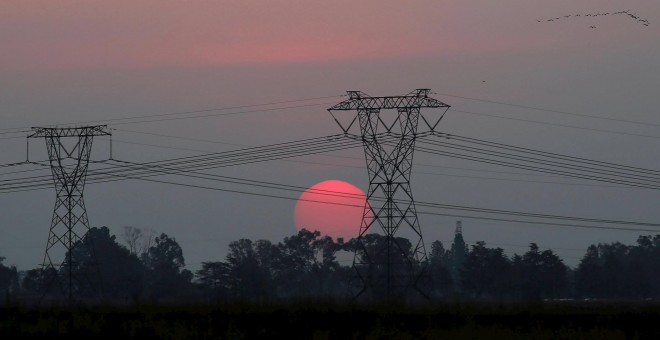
(132, 237)
(296, 260)
(137, 240)
(306, 265)
(609, 271)
(539, 274)
(248, 267)
(486, 272)
(589, 274)
(213, 277)
(438, 269)
(645, 267)
(330, 277)
(36, 282)
(105, 268)
(389, 267)
(165, 266)
(8, 279)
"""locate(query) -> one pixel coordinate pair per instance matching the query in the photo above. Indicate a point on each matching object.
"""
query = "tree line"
(147, 267)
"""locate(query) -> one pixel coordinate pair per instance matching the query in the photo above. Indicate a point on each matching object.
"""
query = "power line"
(359, 167)
(552, 154)
(299, 189)
(271, 185)
(533, 168)
(12, 164)
(182, 138)
(446, 135)
(244, 156)
(550, 161)
(13, 132)
(207, 161)
(540, 223)
(362, 159)
(553, 111)
(146, 118)
(420, 212)
(184, 166)
(557, 124)
(221, 114)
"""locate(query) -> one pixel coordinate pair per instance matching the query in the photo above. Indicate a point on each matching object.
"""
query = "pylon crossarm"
(85, 131)
(388, 103)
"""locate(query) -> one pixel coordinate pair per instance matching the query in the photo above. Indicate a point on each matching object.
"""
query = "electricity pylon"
(69, 161)
(390, 266)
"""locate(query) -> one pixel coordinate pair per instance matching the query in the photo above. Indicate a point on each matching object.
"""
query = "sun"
(332, 207)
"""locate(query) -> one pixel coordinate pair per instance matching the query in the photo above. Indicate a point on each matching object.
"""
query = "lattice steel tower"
(69, 161)
(389, 266)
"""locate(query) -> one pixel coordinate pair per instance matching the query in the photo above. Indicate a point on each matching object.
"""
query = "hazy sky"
(76, 61)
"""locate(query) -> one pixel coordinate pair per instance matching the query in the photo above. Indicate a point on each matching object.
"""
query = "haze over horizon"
(94, 61)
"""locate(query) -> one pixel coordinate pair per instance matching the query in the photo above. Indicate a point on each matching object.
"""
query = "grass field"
(306, 320)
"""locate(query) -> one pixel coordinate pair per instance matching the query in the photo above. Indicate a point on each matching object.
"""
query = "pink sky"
(67, 61)
(91, 34)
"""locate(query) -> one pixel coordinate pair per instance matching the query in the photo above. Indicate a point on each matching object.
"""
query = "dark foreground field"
(548, 320)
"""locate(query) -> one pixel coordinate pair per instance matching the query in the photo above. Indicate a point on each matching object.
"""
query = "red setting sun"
(333, 207)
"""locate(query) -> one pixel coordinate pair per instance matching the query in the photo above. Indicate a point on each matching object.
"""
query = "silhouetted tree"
(486, 272)
(297, 258)
(329, 276)
(606, 272)
(645, 267)
(8, 279)
(249, 272)
(589, 274)
(165, 269)
(213, 278)
(104, 268)
(539, 274)
(38, 282)
(138, 240)
(391, 267)
(132, 238)
(306, 265)
(438, 269)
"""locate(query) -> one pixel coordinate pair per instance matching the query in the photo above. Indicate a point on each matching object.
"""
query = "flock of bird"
(635, 17)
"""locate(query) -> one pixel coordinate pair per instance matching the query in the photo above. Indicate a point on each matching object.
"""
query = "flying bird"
(638, 19)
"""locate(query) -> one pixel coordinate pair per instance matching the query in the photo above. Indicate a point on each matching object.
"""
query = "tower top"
(371, 107)
(459, 228)
(81, 131)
